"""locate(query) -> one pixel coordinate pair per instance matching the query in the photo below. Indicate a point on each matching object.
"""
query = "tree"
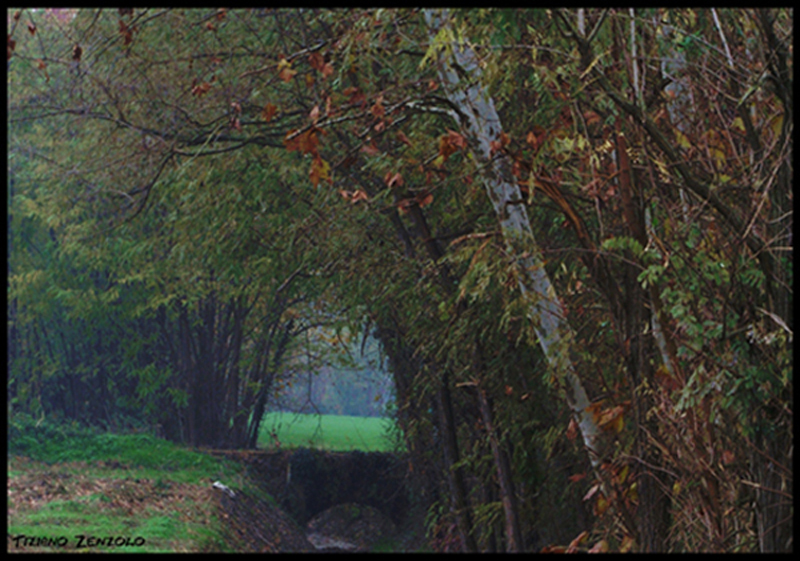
(514, 200)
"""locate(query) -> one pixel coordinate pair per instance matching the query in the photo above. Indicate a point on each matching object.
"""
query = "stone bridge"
(307, 482)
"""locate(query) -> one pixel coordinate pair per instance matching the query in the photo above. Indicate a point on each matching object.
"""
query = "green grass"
(328, 432)
(65, 482)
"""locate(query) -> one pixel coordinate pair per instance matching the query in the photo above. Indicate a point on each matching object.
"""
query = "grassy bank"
(73, 490)
(77, 490)
(327, 432)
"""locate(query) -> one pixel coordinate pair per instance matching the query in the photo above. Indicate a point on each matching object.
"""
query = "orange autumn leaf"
(268, 112)
(595, 409)
(126, 32)
(305, 142)
(370, 149)
(612, 419)
(600, 547)
(320, 170)
(377, 109)
(573, 545)
(577, 477)
(393, 180)
(424, 199)
(359, 195)
(317, 62)
(403, 138)
(456, 139)
(591, 117)
(201, 89)
(572, 430)
(627, 544)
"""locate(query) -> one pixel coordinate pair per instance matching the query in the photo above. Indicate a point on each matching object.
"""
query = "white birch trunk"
(460, 75)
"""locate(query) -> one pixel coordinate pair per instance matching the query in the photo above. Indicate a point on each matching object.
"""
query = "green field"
(328, 432)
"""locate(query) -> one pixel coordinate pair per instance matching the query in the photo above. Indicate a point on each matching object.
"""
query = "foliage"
(182, 218)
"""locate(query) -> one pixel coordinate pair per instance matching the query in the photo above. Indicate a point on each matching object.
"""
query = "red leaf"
(356, 97)
(591, 118)
(201, 89)
(600, 547)
(314, 115)
(221, 14)
(359, 195)
(456, 139)
(573, 545)
(612, 419)
(393, 180)
(370, 149)
(77, 52)
(509, 390)
(268, 112)
(426, 199)
(572, 430)
(11, 45)
(320, 169)
(210, 26)
(377, 109)
(727, 457)
(126, 32)
(32, 28)
(577, 477)
(316, 61)
(305, 143)
(403, 138)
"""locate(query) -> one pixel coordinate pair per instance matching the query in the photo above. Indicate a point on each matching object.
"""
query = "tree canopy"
(569, 230)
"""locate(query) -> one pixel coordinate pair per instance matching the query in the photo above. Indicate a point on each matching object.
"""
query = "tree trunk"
(455, 477)
(476, 115)
(514, 542)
